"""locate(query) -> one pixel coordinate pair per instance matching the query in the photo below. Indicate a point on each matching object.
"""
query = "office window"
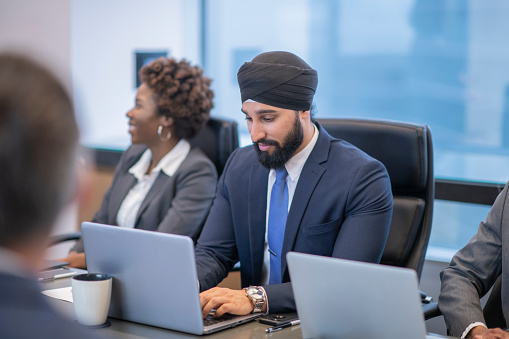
(107, 39)
(439, 62)
(454, 224)
(444, 63)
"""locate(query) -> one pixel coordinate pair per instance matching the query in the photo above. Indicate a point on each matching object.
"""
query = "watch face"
(257, 297)
(258, 294)
(255, 293)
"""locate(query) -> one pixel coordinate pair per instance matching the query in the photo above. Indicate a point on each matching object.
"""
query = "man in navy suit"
(336, 200)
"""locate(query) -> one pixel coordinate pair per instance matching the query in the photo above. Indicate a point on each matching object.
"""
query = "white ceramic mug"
(91, 294)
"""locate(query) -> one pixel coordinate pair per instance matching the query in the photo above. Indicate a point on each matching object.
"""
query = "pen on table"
(58, 276)
(280, 327)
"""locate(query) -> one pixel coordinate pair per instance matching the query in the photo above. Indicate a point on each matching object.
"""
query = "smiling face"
(143, 118)
(277, 133)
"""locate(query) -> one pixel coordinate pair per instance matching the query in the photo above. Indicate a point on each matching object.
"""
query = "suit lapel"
(157, 186)
(310, 176)
(126, 182)
(257, 209)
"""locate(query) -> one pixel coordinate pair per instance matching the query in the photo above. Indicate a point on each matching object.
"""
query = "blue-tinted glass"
(454, 224)
(439, 62)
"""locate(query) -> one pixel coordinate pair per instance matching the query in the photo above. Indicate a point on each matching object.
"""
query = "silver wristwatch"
(257, 296)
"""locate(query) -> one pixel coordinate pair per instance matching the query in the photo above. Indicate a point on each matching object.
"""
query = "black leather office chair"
(217, 139)
(406, 150)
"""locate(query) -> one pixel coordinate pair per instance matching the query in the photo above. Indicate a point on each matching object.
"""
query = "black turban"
(278, 79)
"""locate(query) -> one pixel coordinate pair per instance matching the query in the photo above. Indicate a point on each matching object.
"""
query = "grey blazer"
(178, 204)
(474, 269)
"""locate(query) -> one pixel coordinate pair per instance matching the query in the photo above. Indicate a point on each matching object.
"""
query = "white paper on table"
(64, 293)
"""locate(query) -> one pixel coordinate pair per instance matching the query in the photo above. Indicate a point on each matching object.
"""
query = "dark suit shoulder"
(337, 152)
(26, 313)
(242, 158)
(341, 150)
(241, 164)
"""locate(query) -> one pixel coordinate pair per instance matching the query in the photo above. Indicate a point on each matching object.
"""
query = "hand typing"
(225, 300)
(75, 260)
(480, 332)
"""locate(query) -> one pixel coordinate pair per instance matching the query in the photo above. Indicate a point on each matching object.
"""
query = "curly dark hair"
(182, 93)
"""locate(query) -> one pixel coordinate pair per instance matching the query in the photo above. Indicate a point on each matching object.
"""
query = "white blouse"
(169, 164)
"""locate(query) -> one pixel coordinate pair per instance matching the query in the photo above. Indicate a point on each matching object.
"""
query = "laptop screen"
(342, 298)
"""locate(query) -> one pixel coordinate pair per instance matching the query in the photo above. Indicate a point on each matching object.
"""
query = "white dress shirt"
(294, 168)
(470, 327)
(169, 164)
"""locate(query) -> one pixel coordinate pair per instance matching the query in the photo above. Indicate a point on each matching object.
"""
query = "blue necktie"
(278, 212)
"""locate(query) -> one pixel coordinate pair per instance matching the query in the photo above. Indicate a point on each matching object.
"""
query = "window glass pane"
(454, 224)
(444, 63)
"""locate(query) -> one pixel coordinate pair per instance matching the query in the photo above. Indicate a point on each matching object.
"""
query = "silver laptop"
(154, 278)
(338, 298)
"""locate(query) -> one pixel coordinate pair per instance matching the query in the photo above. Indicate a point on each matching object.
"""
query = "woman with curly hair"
(162, 183)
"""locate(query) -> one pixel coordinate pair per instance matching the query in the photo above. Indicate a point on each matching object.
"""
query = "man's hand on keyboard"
(225, 300)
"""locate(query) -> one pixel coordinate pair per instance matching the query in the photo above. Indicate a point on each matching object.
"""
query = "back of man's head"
(38, 139)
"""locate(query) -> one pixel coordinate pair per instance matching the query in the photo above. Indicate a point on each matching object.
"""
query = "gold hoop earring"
(159, 132)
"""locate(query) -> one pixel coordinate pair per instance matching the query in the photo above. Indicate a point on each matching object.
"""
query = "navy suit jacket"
(26, 313)
(342, 207)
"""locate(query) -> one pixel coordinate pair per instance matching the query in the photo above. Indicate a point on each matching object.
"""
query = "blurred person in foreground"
(162, 183)
(38, 178)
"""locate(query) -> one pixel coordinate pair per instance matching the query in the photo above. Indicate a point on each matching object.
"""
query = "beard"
(281, 154)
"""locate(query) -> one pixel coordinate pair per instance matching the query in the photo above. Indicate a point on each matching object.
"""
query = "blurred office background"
(444, 63)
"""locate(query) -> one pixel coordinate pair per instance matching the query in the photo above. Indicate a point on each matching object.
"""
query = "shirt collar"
(296, 163)
(169, 164)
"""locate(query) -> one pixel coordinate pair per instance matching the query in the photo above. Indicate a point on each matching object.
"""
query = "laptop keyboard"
(210, 320)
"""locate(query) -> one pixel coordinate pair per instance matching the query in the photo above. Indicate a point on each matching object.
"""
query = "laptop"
(53, 269)
(52, 265)
(154, 278)
(339, 298)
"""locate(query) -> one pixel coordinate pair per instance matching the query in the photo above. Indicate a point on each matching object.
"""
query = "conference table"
(126, 329)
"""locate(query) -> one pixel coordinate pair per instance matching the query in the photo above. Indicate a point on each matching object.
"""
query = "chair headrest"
(401, 147)
(217, 139)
